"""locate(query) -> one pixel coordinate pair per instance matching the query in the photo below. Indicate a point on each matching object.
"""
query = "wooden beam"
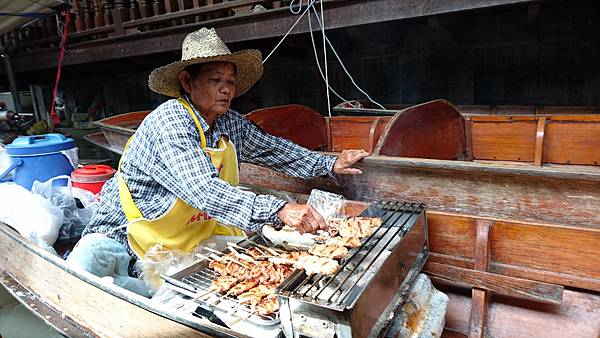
(500, 284)
(468, 139)
(477, 319)
(338, 13)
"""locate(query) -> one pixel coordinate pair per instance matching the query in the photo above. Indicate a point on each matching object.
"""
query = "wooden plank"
(480, 297)
(573, 142)
(484, 190)
(566, 250)
(539, 141)
(430, 130)
(452, 236)
(352, 132)
(510, 140)
(49, 315)
(114, 313)
(482, 244)
(499, 284)
(577, 316)
(294, 122)
(549, 256)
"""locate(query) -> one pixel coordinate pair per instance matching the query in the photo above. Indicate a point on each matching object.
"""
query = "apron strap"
(193, 115)
(131, 210)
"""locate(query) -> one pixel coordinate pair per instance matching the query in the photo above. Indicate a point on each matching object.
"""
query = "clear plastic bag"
(327, 204)
(31, 215)
(77, 205)
(159, 260)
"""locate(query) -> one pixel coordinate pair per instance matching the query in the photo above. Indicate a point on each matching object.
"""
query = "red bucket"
(92, 177)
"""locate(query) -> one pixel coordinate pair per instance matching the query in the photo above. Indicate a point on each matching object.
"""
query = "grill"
(359, 300)
(198, 277)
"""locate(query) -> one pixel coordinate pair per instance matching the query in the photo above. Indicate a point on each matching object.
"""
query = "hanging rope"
(321, 21)
(63, 41)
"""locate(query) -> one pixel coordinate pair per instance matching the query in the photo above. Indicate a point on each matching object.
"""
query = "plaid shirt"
(165, 161)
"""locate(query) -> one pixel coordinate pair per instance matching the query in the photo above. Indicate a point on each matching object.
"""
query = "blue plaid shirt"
(165, 161)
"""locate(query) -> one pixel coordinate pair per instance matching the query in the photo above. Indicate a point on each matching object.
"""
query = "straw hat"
(201, 46)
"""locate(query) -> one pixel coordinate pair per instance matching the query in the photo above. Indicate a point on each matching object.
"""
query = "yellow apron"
(182, 226)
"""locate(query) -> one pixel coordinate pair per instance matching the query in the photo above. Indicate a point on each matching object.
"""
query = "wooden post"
(539, 141)
(98, 18)
(468, 139)
(119, 14)
(156, 6)
(107, 9)
(480, 298)
(79, 24)
(144, 8)
(134, 12)
(88, 16)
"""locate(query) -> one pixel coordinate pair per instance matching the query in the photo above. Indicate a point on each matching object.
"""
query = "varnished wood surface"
(105, 310)
(295, 122)
(567, 139)
(577, 316)
(433, 130)
(519, 193)
(356, 132)
(564, 255)
(498, 284)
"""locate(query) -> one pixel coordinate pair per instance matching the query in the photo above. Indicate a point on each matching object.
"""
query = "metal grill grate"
(199, 277)
(342, 288)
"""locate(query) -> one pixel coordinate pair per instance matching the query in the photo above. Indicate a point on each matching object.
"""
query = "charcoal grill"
(360, 299)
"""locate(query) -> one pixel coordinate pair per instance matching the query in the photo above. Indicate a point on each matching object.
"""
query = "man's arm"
(283, 155)
(186, 170)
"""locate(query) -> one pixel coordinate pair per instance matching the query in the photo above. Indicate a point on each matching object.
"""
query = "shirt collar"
(203, 123)
(205, 127)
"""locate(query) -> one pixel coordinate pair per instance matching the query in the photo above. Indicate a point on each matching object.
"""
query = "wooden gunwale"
(105, 310)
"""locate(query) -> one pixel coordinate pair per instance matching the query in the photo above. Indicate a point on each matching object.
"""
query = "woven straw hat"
(201, 46)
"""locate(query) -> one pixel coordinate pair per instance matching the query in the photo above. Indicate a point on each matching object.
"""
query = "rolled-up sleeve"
(186, 170)
(283, 155)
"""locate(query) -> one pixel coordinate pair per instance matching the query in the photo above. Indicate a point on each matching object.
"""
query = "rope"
(344, 67)
(325, 60)
(63, 41)
(325, 76)
(291, 28)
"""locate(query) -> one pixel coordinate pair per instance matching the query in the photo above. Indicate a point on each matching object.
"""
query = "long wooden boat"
(513, 218)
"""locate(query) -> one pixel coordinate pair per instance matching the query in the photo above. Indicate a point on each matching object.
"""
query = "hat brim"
(248, 64)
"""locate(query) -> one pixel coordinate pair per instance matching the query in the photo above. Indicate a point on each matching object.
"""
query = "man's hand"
(344, 162)
(302, 217)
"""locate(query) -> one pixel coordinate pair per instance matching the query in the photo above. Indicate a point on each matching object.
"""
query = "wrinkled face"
(212, 89)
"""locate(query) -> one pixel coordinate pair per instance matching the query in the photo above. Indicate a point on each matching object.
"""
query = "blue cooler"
(39, 158)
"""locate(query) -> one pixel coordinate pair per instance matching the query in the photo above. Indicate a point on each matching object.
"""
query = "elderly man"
(176, 183)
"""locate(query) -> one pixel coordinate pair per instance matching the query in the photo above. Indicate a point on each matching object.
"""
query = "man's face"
(213, 88)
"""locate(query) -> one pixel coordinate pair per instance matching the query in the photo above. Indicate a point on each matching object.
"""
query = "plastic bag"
(76, 216)
(31, 215)
(4, 159)
(159, 260)
(327, 204)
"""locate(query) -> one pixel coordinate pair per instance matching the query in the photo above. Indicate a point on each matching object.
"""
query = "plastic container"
(92, 177)
(40, 158)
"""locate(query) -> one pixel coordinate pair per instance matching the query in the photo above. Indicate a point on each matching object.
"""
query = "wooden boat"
(513, 217)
